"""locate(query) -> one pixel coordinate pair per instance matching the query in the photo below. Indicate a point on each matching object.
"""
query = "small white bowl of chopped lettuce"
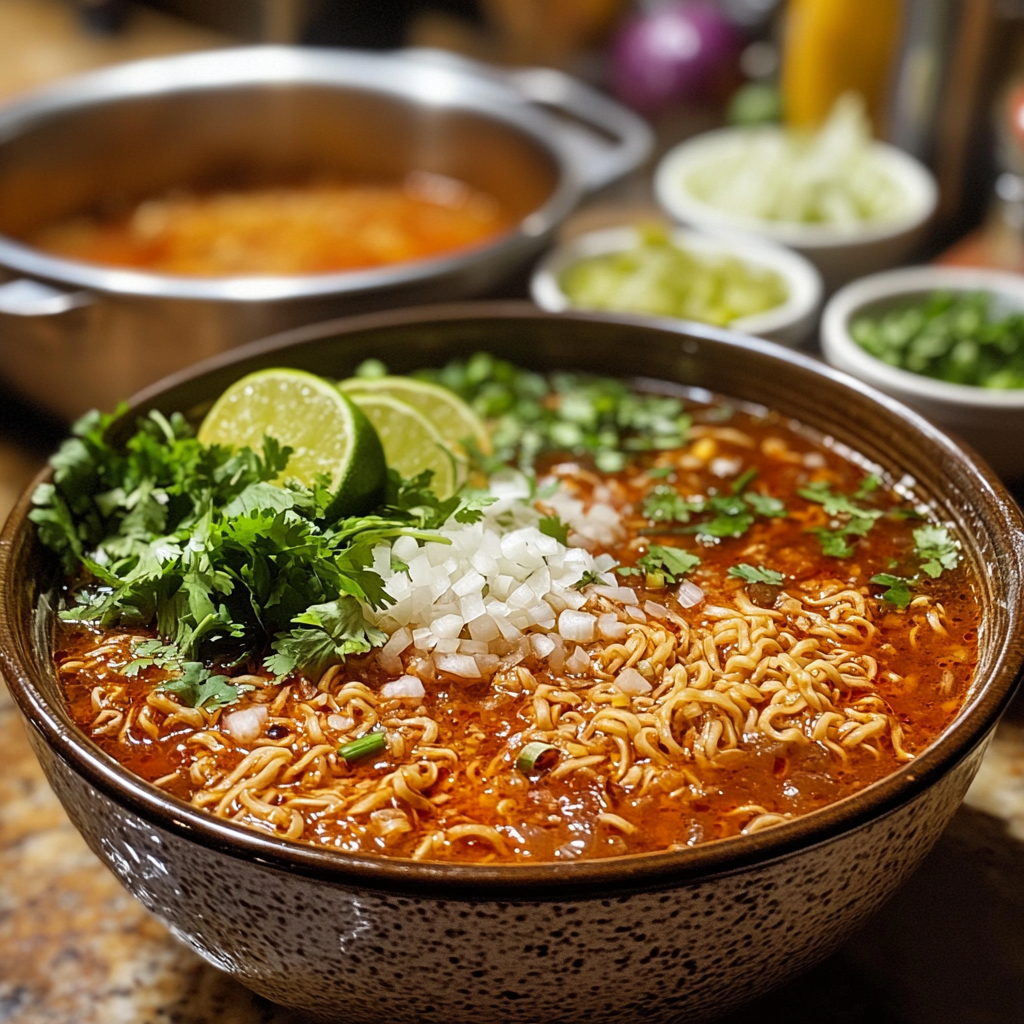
(850, 204)
(744, 284)
(948, 341)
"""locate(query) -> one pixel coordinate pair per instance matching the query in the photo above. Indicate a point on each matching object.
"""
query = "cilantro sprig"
(755, 574)
(727, 515)
(938, 549)
(661, 565)
(855, 520)
(206, 545)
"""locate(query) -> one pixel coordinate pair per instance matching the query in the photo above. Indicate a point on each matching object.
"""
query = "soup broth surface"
(727, 701)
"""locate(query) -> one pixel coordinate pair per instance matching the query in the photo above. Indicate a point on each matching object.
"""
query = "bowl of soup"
(155, 213)
(687, 678)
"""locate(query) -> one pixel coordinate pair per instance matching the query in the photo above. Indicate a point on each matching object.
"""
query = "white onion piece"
(610, 627)
(447, 627)
(659, 611)
(578, 662)
(403, 686)
(630, 681)
(635, 613)
(542, 645)
(458, 665)
(689, 594)
(244, 726)
(577, 626)
(389, 653)
(340, 723)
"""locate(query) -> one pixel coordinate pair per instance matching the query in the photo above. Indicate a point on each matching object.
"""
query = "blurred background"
(940, 76)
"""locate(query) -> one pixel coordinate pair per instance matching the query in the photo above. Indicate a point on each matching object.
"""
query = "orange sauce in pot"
(316, 228)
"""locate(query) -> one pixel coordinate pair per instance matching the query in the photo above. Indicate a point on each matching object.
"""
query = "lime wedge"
(455, 420)
(325, 430)
(411, 442)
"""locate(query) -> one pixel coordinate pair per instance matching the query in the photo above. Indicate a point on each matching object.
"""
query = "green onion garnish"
(537, 757)
(371, 743)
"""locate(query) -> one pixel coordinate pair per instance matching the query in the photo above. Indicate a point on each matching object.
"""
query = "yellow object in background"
(837, 46)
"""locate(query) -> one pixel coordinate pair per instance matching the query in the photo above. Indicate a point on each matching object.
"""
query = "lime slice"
(411, 442)
(324, 428)
(455, 420)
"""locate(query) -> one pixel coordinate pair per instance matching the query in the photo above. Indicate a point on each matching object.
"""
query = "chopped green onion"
(356, 750)
(537, 757)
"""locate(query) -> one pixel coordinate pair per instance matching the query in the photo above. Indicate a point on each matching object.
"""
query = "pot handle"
(605, 141)
(25, 297)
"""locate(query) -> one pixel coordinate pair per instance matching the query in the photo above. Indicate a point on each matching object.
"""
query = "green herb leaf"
(665, 505)
(869, 484)
(746, 572)
(833, 543)
(765, 505)
(836, 504)
(327, 634)
(668, 562)
(897, 590)
(197, 687)
(589, 577)
(938, 549)
(552, 526)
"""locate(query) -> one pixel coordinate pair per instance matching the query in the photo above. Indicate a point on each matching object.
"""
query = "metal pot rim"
(407, 76)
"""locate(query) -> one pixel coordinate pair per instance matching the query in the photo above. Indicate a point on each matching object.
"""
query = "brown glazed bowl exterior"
(656, 937)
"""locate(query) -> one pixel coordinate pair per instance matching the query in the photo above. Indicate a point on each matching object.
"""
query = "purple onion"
(674, 53)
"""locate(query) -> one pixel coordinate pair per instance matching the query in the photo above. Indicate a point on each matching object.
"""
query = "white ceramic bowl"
(788, 324)
(840, 253)
(989, 420)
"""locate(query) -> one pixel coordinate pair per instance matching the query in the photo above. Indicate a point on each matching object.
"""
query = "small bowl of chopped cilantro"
(748, 286)
(948, 341)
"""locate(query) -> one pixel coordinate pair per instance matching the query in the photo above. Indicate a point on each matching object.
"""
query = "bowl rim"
(802, 278)
(845, 354)
(551, 882)
(918, 183)
(403, 76)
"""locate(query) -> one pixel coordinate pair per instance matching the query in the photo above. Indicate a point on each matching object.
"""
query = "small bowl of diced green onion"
(948, 341)
(724, 280)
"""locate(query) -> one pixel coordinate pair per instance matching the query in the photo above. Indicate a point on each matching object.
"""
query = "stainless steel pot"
(75, 335)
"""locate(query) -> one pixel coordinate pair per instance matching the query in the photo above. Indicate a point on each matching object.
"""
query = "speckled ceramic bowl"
(655, 937)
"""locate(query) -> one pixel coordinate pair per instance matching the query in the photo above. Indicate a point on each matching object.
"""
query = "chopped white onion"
(578, 662)
(610, 627)
(630, 681)
(658, 611)
(577, 626)
(389, 659)
(403, 686)
(458, 665)
(542, 645)
(340, 723)
(689, 594)
(635, 613)
(245, 725)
